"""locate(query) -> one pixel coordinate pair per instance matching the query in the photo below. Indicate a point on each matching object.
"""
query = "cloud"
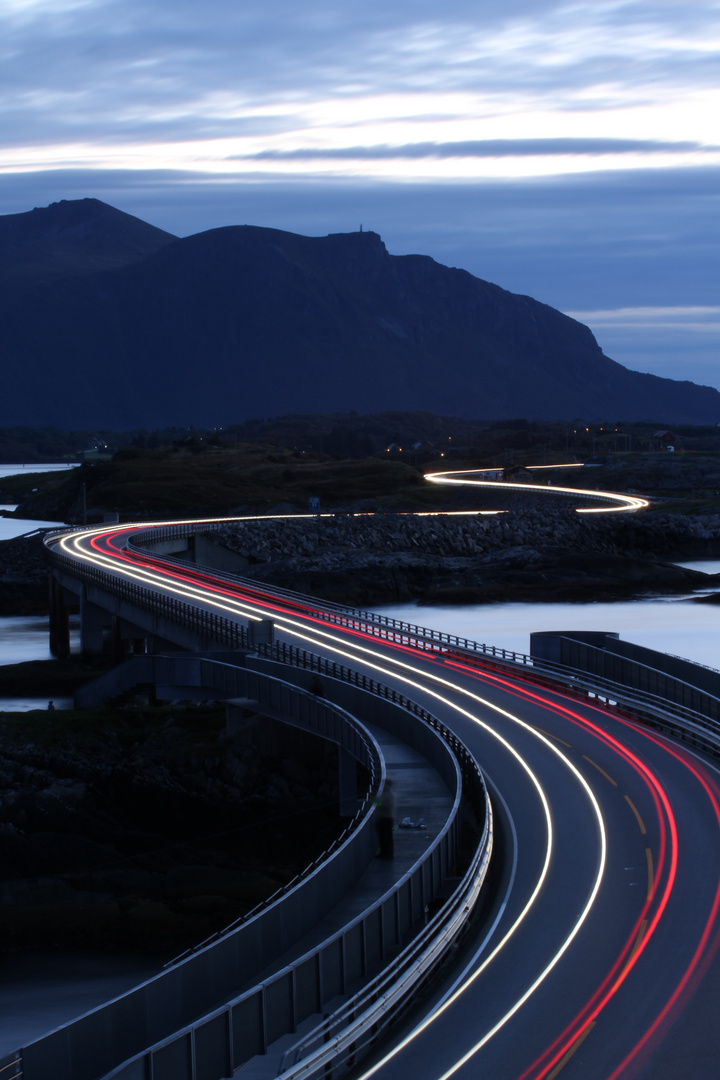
(700, 319)
(676, 342)
(105, 81)
(484, 149)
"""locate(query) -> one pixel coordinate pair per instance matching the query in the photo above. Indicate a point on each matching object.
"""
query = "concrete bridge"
(599, 817)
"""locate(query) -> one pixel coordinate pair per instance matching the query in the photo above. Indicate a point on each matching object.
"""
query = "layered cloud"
(663, 340)
(346, 89)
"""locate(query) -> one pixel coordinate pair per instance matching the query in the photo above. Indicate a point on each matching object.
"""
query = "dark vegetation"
(417, 437)
(147, 828)
(349, 461)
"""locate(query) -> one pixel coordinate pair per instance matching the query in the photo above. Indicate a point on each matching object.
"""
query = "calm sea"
(681, 626)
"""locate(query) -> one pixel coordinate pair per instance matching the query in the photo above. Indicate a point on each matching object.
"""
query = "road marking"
(551, 736)
(575, 1046)
(638, 939)
(651, 875)
(596, 766)
(636, 812)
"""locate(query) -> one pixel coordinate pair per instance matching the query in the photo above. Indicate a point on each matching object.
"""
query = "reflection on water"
(18, 470)
(681, 627)
(11, 527)
(26, 637)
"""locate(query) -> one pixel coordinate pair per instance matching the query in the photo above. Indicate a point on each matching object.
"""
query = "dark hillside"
(73, 238)
(243, 321)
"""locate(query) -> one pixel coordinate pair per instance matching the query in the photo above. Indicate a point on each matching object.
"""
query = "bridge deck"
(420, 793)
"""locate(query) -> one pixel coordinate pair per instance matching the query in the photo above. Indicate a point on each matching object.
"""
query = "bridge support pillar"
(92, 625)
(262, 633)
(347, 783)
(59, 622)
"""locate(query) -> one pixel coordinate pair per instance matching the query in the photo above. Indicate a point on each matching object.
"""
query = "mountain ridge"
(78, 236)
(113, 323)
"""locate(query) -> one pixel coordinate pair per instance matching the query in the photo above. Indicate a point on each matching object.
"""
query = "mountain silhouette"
(107, 322)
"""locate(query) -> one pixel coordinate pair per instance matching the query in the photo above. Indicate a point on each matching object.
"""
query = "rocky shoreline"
(543, 553)
(532, 554)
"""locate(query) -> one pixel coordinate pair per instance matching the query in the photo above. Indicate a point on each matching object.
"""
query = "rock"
(538, 552)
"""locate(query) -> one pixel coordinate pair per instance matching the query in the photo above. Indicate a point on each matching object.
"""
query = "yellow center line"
(575, 1046)
(607, 777)
(636, 812)
(638, 939)
(648, 853)
(551, 736)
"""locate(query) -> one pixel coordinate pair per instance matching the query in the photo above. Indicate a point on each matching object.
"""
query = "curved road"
(595, 957)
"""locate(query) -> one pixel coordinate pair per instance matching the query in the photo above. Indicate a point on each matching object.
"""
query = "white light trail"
(75, 545)
(621, 502)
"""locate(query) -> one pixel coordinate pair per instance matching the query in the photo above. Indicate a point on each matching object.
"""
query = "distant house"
(666, 439)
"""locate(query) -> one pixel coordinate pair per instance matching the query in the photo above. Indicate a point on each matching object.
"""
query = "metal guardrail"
(350, 1031)
(283, 653)
(386, 627)
(343, 1038)
(84, 1048)
(206, 624)
(194, 1052)
(11, 1067)
(695, 724)
(276, 1005)
(697, 712)
(299, 990)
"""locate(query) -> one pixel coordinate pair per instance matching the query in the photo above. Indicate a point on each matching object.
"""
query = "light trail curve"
(598, 930)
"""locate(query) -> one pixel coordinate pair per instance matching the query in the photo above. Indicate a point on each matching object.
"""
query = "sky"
(568, 151)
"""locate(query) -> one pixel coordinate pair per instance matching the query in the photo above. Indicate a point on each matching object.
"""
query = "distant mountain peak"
(73, 236)
(110, 323)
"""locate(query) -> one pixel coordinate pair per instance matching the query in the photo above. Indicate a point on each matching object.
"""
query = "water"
(12, 527)
(678, 626)
(17, 470)
(26, 638)
(9, 527)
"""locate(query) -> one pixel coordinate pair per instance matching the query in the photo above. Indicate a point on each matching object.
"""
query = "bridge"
(594, 879)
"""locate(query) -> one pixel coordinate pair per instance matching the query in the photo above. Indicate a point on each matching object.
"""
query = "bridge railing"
(255, 1019)
(680, 709)
(224, 1040)
(206, 624)
(695, 714)
(669, 703)
(87, 1048)
(381, 626)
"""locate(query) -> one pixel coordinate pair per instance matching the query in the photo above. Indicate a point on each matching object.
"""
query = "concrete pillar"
(262, 633)
(59, 622)
(92, 625)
